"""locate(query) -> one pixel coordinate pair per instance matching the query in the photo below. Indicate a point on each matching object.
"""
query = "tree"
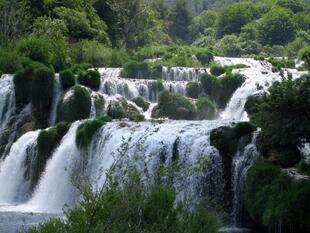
(293, 5)
(277, 27)
(233, 17)
(181, 18)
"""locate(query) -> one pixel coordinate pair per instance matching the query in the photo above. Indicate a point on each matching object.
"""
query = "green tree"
(181, 18)
(233, 17)
(277, 27)
(293, 5)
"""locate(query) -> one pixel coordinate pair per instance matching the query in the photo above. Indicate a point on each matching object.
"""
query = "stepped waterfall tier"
(124, 145)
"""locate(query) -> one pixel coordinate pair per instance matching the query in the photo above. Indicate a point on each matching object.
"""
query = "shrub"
(77, 68)
(206, 109)
(136, 70)
(87, 129)
(42, 89)
(47, 142)
(122, 109)
(90, 78)
(10, 61)
(175, 106)
(75, 105)
(217, 70)
(229, 84)
(211, 86)
(205, 57)
(273, 198)
(304, 55)
(193, 90)
(304, 167)
(139, 101)
(280, 64)
(67, 79)
(22, 85)
(252, 104)
(35, 48)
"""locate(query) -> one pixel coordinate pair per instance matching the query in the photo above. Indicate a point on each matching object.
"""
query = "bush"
(10, 61)
(217, 70)
(136, 70)
(280, 64)
(122, 109)
(74, 105)
(67, 79)
(304, 55)
(206, 109)
(90, 78)
(273, 198)
(22, 85)
(252, 104)
(211, 86)
(47, 142)
(304, 167)
(42, 89)
(229, 84)
(205, 57)
(78, 68)
(139, 101)
(37, 49)
(193, 90)
(175, 106)
(145, 208)
(87, 129)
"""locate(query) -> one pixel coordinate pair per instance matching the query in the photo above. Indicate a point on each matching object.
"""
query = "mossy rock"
(122, 109)
(74, 105)
(67, 79)
(99, 104)
(90, 78)
(284, 156)
(193, 90)
(252, 104)
(78, 68)
(217, 70)
(22, 84)
(206, 109)
(87, 129)
(42, 89)
(140, 102)
(175, 107)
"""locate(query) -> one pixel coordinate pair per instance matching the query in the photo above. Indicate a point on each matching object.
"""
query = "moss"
(74, 105)
(87, 129)
(139, 101)
(206, 109)
(280, 64)
(205, 57)
(252, 104)
(67, 79)
(90, 78)
(141, 70)
(193, 90)
(175, 106)
(22, 85)
(42, 89)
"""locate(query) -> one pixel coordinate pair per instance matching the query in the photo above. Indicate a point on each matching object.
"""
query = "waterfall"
(12, 169)
(55, 188)
(182, 73)
(56, 96)
(7, 100)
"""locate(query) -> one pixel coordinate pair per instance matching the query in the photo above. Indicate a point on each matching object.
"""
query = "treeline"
(110, 32)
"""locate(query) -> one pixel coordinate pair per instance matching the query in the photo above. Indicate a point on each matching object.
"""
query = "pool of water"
(12, 222)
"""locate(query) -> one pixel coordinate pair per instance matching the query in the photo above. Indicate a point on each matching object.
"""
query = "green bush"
(37, 49)
(78, 68)
(90, 78)
(252, 104)
(42, 89)
(280, 64)
(67, 79)
(205, 57)
(136, 70)
(139, 101)
(145, 208)
(122, 109)
(229, 84)
(304, 167)
(10, 61)
(175, 106)
(22, 85)
(304, 55)
(74, 105)
(193, 90)
(273, 198)
(217, 70)
(206, 109)
(47, 142)
(87, 129)
(211, 86)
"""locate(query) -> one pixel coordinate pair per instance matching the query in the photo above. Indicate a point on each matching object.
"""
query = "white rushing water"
(56, 96)
(55, 188)
(12, 169)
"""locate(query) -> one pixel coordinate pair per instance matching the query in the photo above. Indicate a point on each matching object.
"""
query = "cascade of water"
(124, 146)
(7, 100)
(250, 62)
(57, 94)
(240, 165)
(55, 188)
(12, 169)
(187, 74)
